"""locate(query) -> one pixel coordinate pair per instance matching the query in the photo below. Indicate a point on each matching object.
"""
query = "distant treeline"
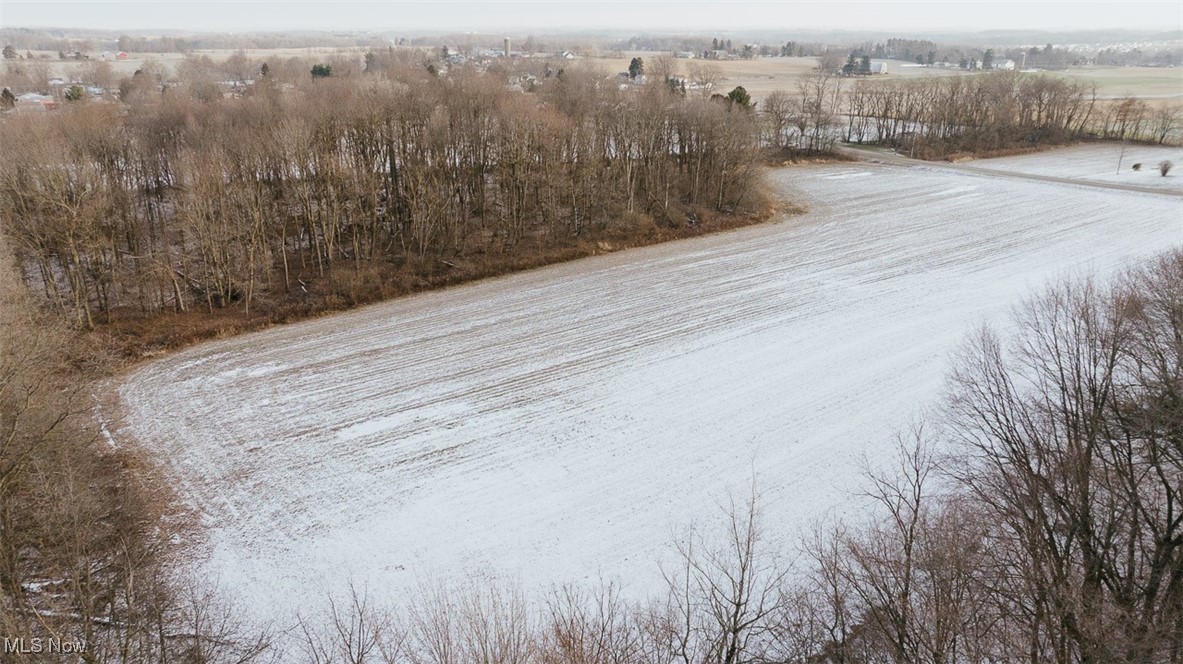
(994, 112)
(105, 40)
(1138, 57)
(176, 203)
(1049, 56)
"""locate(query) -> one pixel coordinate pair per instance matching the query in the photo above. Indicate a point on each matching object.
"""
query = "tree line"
(91, 40)
(83, 537)
(993, 112)
(186, 199)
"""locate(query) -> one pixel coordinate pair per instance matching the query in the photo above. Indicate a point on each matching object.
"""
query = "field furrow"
(557, 425)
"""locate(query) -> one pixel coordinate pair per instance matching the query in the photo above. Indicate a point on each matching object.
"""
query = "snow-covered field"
(559, 425)
(1099, 163)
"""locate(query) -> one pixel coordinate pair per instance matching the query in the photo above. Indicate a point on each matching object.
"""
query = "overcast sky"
(642, 15)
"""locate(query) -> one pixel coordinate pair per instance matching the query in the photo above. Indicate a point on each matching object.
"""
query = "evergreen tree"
(740, 97)
(636, 68)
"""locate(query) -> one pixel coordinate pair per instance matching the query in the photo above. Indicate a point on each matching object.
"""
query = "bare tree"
(705, 77)
(353, 631)
(1166, 122)
(819, 94)
(778, 109)
(476, 622)
(596, 627)
(1065, 425)
(663, 67)
(725, 592)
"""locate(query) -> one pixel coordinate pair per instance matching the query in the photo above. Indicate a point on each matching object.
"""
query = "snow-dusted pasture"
(1099, 163)
(560, 424)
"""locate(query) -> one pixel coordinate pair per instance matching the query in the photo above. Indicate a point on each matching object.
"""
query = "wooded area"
(991, 113)
(83, 556)
(382, 183)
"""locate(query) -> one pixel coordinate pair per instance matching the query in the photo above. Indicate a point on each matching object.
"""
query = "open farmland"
(1144, 82)
(761, 76)
(170, 61)
(1099, 163)
(559, 425)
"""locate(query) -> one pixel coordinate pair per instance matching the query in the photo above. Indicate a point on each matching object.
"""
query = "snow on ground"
(560, 424)
(1098, 162)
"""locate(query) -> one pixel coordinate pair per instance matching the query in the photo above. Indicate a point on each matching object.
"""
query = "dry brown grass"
(790, 157)
(957, 157)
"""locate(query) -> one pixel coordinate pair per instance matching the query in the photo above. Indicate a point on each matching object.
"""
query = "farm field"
(1145, 82)
(764, 75)
(172, 60)
(760, 76)
(561, 425)
(1098, 163)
